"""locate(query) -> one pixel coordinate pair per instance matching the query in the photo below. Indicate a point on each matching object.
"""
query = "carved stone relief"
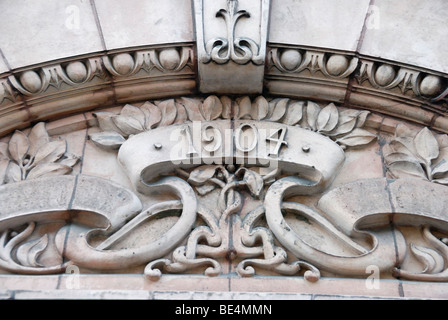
(33, 156)
(227, 185)
(63, 87)
(222, 45)
(403, 91)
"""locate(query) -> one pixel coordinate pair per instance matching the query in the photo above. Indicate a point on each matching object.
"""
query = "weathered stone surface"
(334, 25)
(375, 202)
(416, 202)
(53, 198)
(70, 31)
(230, 220)
(237, 44)
(35, 200)
(421, 27)
(348, 204)
(105, 198)
(164, 21)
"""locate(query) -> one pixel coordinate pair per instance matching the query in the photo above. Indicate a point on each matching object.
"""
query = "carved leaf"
(133, 112)
(13, 173)
(294, 113)
(105, 121)
(169, 112)
(3, 167)
(443, 181)
(51, 152)
(357, 137)
(346, 119)
(253, 181)
(202, 174)
(440, 169)
(244, 107)
(226, 107)
(426, 145)
(69, 160)
(211, 108)
(109, 140)
(312, 112)
(401, 169)
(192, 106)
(404, 145)
(260, 108)
(49, 168)
(205, 188)
(128, 125)
(38, 137)
(28, 253)
(362, 117)
(443, 154)
(327, 119)
(4, 153)
(18, 146)
(153, 115)
(279, 109)
(399, 157)
(346, 125)
(182, 115)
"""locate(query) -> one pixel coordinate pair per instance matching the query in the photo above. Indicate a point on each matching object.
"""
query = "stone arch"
(350, 115)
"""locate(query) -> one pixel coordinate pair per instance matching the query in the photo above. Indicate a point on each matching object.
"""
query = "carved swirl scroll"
(79, 251)
(83, 199)
(382, 253)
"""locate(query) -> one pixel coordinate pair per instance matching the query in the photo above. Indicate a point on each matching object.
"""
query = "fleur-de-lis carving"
(240, 50)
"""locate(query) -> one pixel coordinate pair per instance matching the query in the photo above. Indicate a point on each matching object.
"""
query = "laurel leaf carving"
(152, 113)
(294, 113)
(426, 145)
(260, 108)
(18, 146)
(202, 174)
(327, 119)
(48, 169)
(312, 112)
(279, 109)
(109, 140)
(211, 108)
(357, 137)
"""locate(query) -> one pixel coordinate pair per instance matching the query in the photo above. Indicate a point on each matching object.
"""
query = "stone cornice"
(58, 89)
(388, 87)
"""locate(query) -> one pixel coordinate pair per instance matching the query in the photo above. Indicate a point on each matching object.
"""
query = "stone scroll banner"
(371, 203)
(89, 200)
(276, 147)
(85, 200)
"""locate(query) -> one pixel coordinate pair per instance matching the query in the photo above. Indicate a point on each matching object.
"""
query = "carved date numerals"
(246, 139)
(190, 150)
(279, 138)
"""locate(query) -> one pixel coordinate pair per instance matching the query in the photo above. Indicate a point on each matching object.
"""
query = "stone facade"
(235, 149)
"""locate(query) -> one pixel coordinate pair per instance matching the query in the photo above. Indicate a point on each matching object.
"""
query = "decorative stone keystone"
(231, 33)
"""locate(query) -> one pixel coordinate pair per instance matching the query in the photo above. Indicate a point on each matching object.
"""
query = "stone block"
(329, 24)
(408, 31)
(45, 31)
(139, 23)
